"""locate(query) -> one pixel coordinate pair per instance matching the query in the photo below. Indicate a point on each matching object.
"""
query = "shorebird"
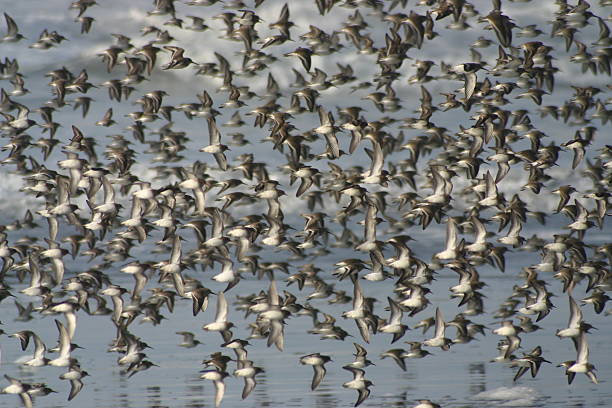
(177, 60)
(189, 340)
(576, 325)
(358, 383)
(317, 361)
(248, 371)
(38, 359)
(530, 361)
(12, 34)
(217, 377)
(439, 340)
(394, 324)
(581, 364)
(361, 361)
(221, 324)
(118, 192)
(451, 250)
(64, 359)
(20, 388)
(74, 375)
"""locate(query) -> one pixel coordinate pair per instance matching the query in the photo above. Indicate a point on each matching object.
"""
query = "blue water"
(461, 377)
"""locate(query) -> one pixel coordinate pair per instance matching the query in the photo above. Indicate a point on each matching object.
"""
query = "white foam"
(510, 396)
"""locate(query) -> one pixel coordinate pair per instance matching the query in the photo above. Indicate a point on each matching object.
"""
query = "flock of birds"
(232, 199)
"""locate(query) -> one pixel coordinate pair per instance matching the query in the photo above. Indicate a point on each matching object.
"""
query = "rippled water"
(462, 377)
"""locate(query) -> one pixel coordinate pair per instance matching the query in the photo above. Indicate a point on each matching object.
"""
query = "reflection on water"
(453, 377)
(193, 393)
(478, 375)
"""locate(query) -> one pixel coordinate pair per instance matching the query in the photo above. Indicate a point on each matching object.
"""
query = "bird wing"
(469, 84)
(175, 255)
(360, 350)
(75, 388)
(26, 399)
(396, 312)
(11, 26)
(305, 184)
(363, 394)
(34, 270)
(491, 186)
(439, 324)
(583, 349)
(575, 313)
(213, 133)
(481, 232)
(221, 315)
(277, 334)
(319, 373)
(64, 340)
(217, 226)
(364, 329)
(219, 392)
(221, 160)
(357, 296)
(451, 234)
(273, 299)
(378, 159)
(249, 384)
(39, 351)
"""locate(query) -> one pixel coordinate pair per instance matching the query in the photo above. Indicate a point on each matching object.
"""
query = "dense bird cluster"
(231, 214)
